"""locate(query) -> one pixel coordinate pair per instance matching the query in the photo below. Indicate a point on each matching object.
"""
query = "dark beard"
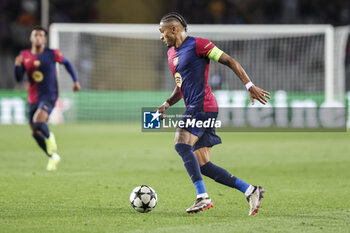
(38, 47)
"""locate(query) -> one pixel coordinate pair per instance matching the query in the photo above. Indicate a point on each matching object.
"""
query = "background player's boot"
(51, 146)
(254, 199)
(53, 161)
(201, 204)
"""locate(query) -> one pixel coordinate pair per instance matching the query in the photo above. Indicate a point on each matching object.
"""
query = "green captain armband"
(215, 54)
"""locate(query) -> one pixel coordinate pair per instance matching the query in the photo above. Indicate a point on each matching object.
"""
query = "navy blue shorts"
(207, 136)
(46, 105)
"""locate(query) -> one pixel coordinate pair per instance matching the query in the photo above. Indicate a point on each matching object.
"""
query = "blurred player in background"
(188, 58)
(39, 63)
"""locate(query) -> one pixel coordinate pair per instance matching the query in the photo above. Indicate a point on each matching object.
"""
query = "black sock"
(40, 139)
(190, 161)
(218, 174)
(43, 128)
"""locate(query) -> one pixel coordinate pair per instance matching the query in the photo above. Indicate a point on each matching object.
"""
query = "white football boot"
(202, 203)
(254, 199)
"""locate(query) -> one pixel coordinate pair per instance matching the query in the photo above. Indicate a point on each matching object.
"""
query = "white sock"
(249, 190)
(202, 195)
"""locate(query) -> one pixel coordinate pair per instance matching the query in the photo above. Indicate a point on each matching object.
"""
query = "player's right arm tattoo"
(235, 67)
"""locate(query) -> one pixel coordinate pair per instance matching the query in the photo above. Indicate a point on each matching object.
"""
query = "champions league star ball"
(143, 199)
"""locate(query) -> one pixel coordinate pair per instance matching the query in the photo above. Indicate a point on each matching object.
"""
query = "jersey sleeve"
(203, 47)
(206, 48)
(19, 70)
(58, 56)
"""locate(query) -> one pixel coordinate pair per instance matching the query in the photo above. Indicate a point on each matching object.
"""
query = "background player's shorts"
(47, 106)
(207, 136)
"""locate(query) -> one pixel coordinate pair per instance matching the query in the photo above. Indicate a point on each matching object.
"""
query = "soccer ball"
(143, 199)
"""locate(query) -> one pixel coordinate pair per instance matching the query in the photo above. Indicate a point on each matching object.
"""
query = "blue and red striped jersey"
(42, 76)
(189, 64)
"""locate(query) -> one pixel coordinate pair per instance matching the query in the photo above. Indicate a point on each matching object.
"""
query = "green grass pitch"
(305, 175)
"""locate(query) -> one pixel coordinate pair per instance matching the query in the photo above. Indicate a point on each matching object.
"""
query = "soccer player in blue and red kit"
(188, 58)
(39, 63)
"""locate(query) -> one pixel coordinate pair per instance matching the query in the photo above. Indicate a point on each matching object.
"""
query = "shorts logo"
(151, 120)
(178, 79)
(37, 76)
(176, 61)
(36, 63)
(45, 107)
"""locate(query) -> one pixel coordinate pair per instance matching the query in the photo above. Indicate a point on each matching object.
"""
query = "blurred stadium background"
(122, 69)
